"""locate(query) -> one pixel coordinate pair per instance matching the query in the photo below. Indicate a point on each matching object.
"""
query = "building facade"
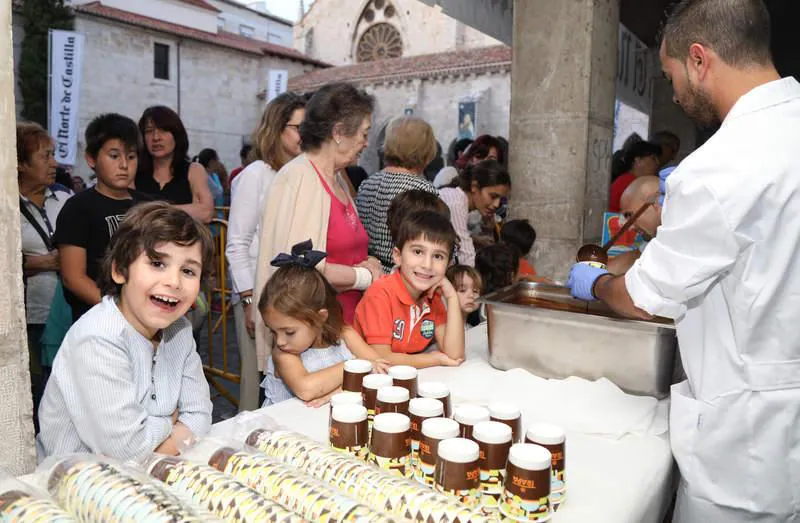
(176, 53)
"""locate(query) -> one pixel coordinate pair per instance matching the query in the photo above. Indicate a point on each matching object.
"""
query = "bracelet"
(363, 278)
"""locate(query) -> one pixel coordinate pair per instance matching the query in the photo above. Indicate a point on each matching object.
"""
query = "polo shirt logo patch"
(427, 329)
(399, 329)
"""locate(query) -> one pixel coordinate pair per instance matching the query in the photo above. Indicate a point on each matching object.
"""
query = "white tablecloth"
(619, 464)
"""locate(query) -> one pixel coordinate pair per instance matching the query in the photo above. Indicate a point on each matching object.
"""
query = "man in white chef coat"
(725, 265)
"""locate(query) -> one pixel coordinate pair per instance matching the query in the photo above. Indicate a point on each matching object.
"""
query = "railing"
(217, 320)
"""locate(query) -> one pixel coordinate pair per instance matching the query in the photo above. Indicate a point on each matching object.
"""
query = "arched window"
(379, 42)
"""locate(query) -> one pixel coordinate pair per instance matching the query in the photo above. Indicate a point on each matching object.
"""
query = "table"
(619, 464)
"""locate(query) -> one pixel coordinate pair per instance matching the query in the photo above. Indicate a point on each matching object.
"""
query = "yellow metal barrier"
(217, 320)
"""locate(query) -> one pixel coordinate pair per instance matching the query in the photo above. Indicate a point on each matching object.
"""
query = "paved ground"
(223, 409)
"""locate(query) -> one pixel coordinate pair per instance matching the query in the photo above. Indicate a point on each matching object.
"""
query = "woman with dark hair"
(276, 142)
(165, 172)
(640, 159)
(309, 199)
(485, 147)
(217, 176)
(480, 187)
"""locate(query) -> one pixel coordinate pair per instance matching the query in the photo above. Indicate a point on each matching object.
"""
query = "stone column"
(562, 109)
(17, 451)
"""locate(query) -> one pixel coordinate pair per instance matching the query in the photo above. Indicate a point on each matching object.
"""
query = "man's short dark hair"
(668, 138)
(519, 234)
(146, 226)
(111, 126)
(430, 225)
(737, 30)
(408, 202)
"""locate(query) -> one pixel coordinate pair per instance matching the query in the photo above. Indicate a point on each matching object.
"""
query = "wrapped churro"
(104, 492)
(394, 495)
(292, 488)
(23, 504)
(227, 498)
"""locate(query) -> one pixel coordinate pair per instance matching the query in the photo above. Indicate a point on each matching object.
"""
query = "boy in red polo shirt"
(402, 314)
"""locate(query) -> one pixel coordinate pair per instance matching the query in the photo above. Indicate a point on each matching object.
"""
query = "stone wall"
(17, 451)
(218, 86)
(424, 29)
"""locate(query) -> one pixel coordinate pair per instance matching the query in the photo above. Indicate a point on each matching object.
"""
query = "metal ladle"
(594, 253)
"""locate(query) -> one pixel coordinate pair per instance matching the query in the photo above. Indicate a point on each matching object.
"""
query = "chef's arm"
(612, 290)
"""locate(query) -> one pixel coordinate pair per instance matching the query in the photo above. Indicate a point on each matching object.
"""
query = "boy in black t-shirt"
(89, 219)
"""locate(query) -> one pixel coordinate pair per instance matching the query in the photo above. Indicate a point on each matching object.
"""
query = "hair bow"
(302, 255)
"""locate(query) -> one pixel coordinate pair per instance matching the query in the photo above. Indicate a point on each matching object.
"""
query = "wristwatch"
(247, 300)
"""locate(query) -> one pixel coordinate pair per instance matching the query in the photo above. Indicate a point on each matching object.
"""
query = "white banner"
(66, 59)
(278, 80)
(634, 72)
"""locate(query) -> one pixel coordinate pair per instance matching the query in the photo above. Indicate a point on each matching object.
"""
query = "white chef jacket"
(725, 265)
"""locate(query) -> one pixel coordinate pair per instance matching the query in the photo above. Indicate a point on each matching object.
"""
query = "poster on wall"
(277, 83)
(466, 120)
(65, 61)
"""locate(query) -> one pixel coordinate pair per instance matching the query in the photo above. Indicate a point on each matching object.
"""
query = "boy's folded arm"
(357, 346)
(450, 336)
(307, 386)
(101, 401)
(419, 361)
(194, 403)
(73, 274)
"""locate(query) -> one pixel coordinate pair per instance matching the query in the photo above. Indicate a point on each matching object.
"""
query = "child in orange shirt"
(402, 314)
(521, 235)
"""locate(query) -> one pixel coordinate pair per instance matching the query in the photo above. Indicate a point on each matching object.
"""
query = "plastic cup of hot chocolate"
(354, 372)
(392, 399)
(405, 376)
(436, 390)
(468, 416)
(508, 414)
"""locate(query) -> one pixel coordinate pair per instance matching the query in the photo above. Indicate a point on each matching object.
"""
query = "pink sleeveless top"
(347, 244)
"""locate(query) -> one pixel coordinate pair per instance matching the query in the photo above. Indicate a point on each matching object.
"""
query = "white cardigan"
(248, 197)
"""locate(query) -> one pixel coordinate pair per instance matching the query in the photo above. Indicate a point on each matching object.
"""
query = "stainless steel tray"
(527, 330)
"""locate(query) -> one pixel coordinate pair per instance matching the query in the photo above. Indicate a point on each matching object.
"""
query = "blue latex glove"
(662, 183)
(581, 280)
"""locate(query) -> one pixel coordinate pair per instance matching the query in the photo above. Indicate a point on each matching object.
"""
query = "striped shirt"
(456, 200)
(374, 197)
(110, 393)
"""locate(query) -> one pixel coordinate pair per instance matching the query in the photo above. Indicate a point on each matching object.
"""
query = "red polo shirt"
(387, 315)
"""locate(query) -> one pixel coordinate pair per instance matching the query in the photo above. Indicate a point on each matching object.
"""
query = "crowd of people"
(326, 264)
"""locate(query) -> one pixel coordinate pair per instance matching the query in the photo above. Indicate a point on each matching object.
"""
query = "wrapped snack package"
(219, 494)
(21, 503)
(95, 490)
(393, 495)
(292, 488)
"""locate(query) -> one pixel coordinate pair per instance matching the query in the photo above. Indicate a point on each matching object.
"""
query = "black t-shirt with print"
(88, 220)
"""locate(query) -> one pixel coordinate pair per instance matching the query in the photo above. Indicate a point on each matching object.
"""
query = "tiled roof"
(222, 38)
(202, 4)
(468, 61)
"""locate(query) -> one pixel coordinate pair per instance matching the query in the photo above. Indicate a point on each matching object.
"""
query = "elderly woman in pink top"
(309, 199)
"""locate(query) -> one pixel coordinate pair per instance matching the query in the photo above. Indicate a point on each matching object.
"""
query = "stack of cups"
(510, 415)
(438, 391)
(346, 398)
(433, 431)
(526, 489)
(390, 445)
(457, 470)
(468, 416)
(348, 431)
(421, 409)
(354, 372)
(392, 399)
(405, 376)
(494, 441)
(553, 439)
(371, 384)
